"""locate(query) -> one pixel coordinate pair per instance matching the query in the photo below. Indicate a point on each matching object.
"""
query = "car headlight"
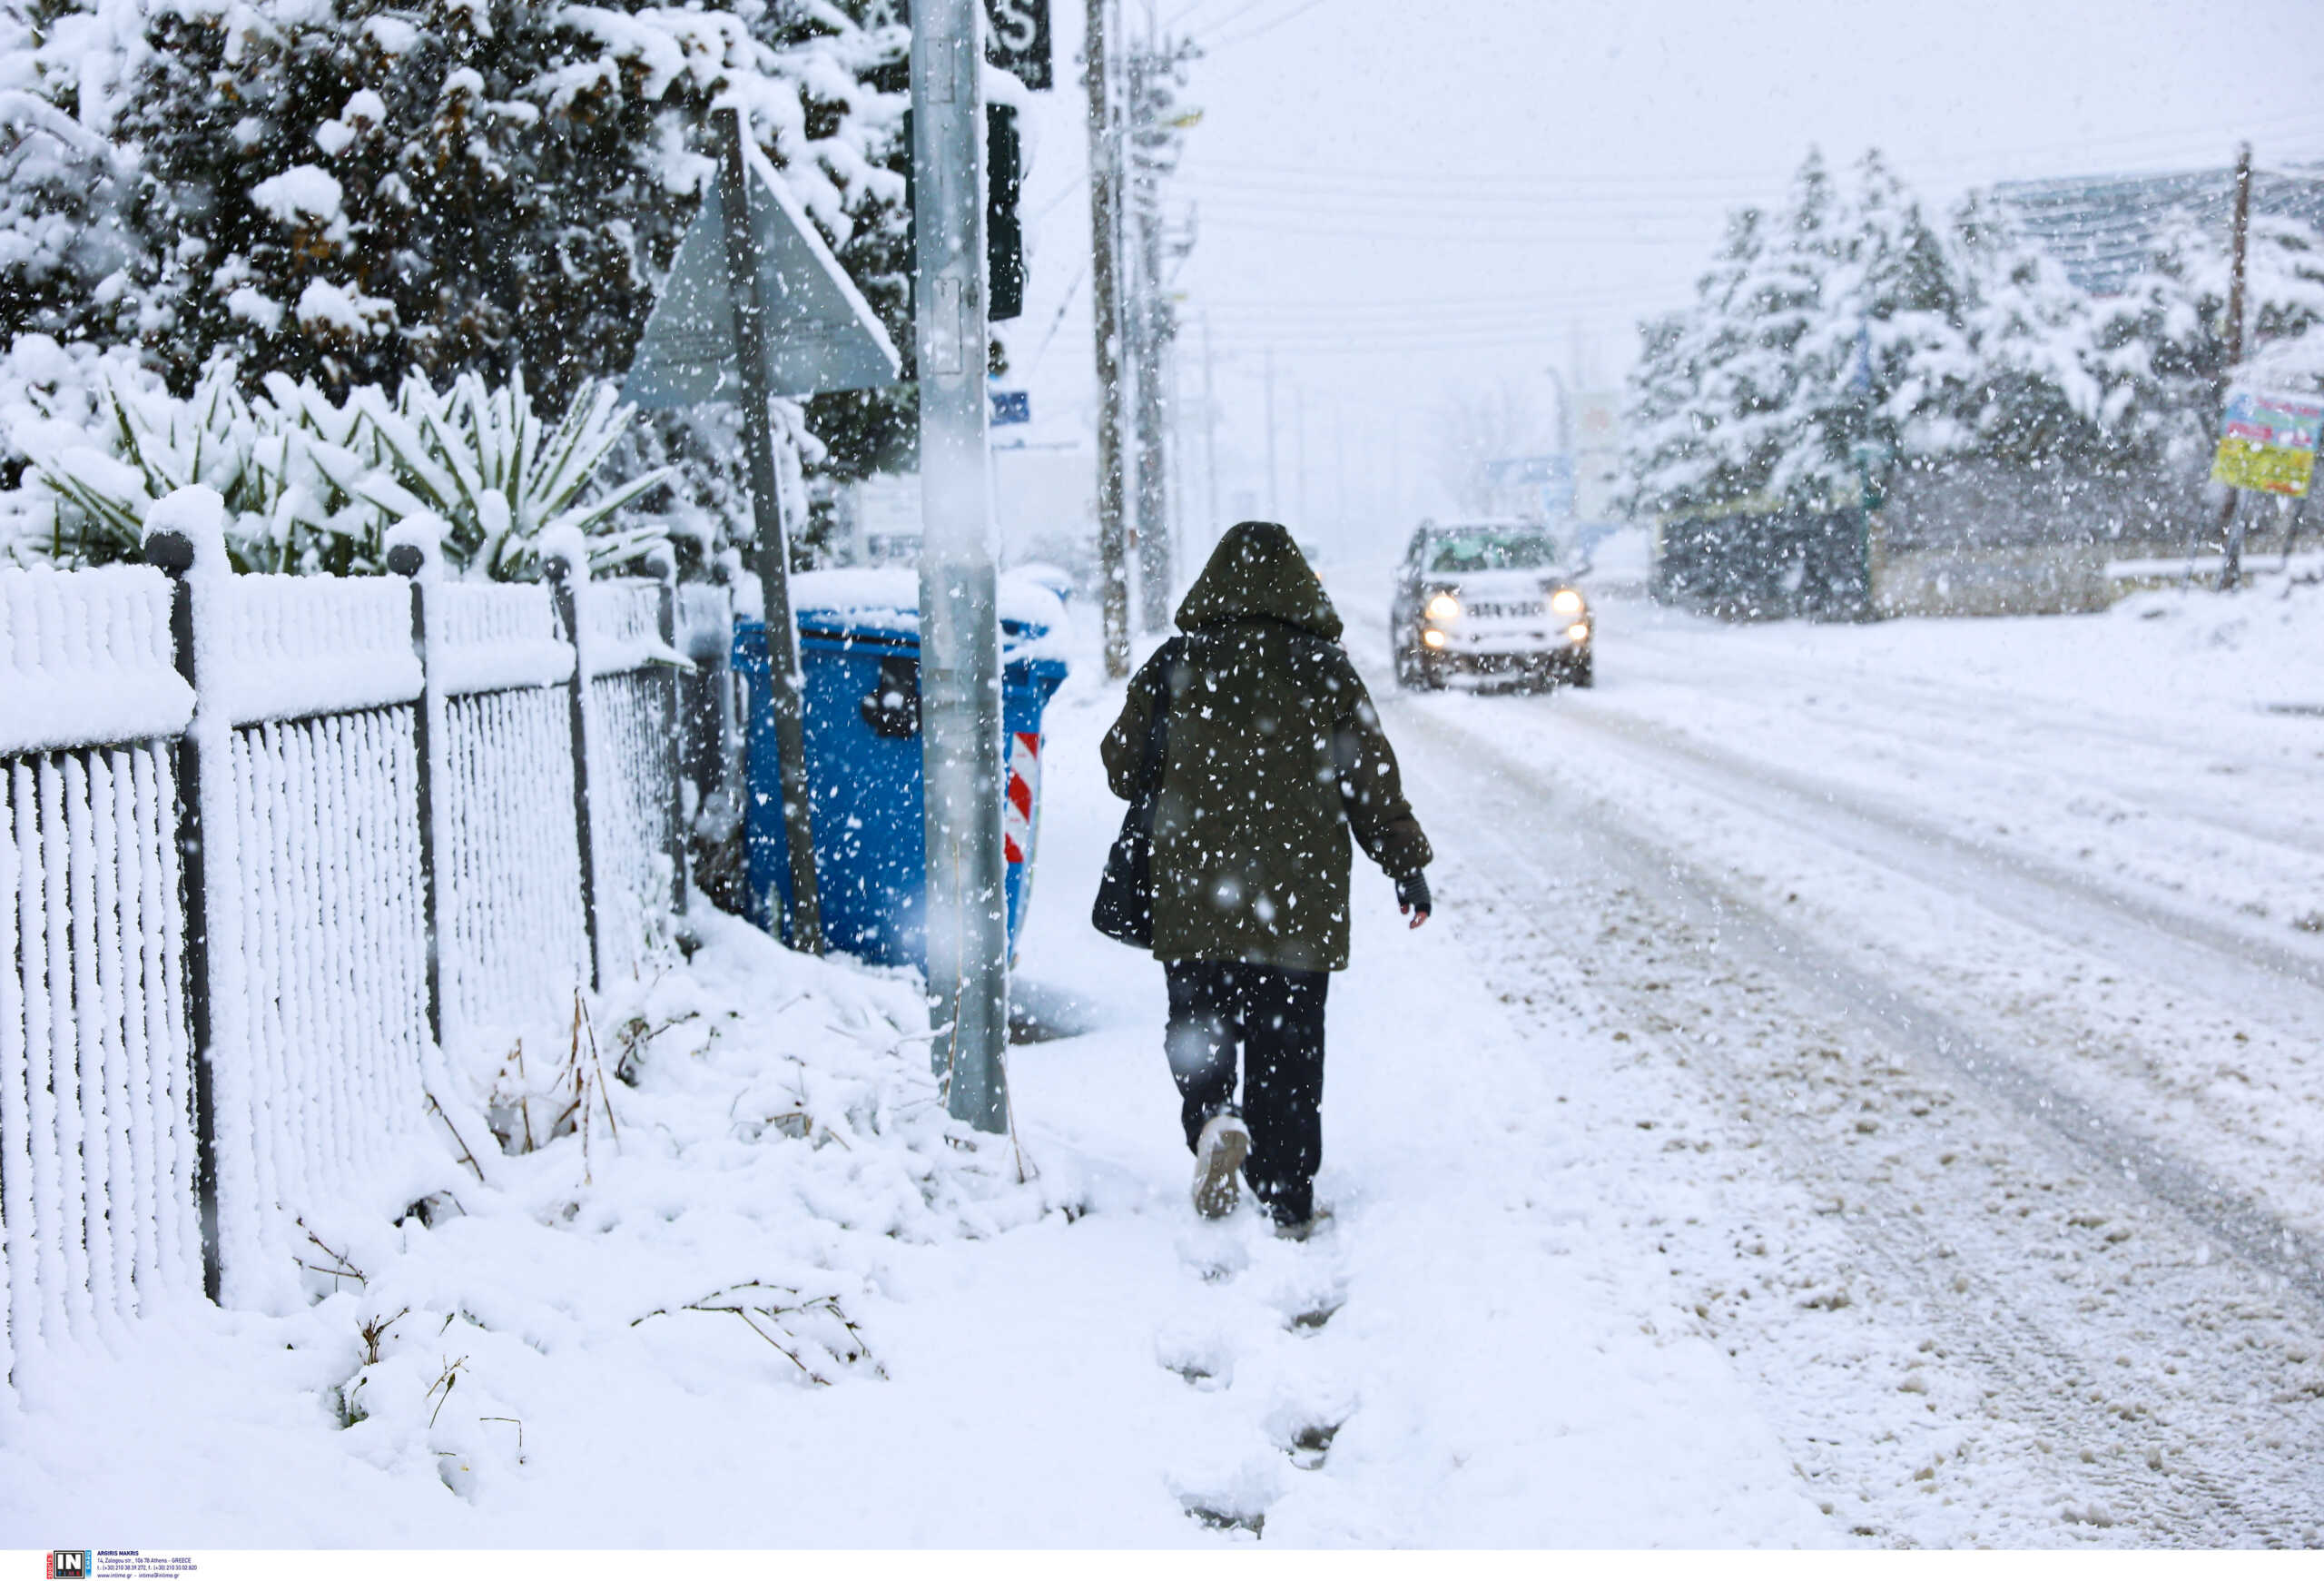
(1577, 632)
(1443, 607)
(1433, 638)
(1566, 601)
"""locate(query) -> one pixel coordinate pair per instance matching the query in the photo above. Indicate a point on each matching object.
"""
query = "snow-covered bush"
(313, 485)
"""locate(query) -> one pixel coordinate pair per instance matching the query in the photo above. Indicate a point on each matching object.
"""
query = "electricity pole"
(2230, 523)
(1105, 230)
(1179, 537)
(1150, 317)
(960, 627)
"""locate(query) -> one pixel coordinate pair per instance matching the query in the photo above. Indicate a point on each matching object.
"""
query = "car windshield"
(1491, 551)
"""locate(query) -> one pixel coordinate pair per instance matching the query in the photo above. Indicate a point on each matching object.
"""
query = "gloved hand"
(1411, 897)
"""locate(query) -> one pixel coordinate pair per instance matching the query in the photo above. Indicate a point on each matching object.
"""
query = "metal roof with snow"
(2104, 229)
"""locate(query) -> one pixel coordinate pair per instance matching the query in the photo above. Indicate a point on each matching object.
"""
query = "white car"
(1487, 599)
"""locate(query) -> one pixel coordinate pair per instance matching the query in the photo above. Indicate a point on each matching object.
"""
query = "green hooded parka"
(1274, 756)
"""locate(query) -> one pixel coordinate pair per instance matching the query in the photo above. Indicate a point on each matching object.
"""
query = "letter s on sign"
(1014, 24)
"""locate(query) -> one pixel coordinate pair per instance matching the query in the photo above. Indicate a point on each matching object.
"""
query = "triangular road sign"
(821, 334)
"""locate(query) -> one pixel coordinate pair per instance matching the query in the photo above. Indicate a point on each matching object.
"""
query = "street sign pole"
(772, 554)
(960, 627)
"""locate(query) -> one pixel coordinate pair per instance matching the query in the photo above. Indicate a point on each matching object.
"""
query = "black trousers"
(1274, 1017)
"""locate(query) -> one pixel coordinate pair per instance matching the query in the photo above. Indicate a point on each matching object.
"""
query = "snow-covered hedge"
(313, 485)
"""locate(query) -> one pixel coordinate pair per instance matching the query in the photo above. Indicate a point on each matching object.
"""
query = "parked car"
(1488, 599)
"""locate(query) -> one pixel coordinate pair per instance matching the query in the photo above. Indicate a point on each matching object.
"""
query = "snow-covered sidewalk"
(793, 1304)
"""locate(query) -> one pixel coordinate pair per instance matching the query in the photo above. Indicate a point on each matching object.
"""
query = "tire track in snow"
(2090, 914)
(1918, 698)
(2208, 1492)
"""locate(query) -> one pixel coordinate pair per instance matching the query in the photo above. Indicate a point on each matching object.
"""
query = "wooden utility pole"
(1148, 317)
(2231, 520)
(1105, 305)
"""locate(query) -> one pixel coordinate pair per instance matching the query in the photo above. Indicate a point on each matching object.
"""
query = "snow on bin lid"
(886, 598)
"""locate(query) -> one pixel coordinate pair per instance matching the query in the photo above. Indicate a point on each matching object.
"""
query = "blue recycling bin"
(859, 651)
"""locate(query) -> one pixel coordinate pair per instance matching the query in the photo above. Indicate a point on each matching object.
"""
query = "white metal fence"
(268, 845)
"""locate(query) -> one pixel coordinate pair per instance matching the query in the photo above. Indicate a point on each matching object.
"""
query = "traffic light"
(1004, 232)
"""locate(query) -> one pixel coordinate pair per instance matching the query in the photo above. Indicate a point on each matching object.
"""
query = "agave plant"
(480, 458)
(312, 485)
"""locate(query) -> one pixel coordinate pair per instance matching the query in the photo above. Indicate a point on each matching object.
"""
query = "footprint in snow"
(1214, 1252)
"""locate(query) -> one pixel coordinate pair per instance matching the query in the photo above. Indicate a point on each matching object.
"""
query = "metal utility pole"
(1105, 229)
(2231, 521)
(771, 555)
(960, 625)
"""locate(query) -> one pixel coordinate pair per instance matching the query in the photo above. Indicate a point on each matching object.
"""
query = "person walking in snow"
(1273, 756)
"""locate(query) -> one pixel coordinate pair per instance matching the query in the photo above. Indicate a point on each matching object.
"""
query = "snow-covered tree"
(2041, 394)
(1668, 452)
(349, 190)
(345, 192)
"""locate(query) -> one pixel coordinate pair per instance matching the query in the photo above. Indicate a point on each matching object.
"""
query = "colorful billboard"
(2269, 441)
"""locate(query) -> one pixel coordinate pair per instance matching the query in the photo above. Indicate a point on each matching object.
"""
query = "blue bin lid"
(879, 606)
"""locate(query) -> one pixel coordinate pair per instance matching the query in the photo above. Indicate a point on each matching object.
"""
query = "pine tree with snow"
(1670, 453)
(62, 239)
(1775, 392)
(2042, 396)
(1913, 364)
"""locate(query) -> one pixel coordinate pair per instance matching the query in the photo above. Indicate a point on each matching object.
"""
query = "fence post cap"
(565, 553)
(170, 550)
(415, 546)
(185, 531)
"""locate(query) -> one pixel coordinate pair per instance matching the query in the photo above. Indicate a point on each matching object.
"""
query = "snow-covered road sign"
(1015, 35)
(821, 334)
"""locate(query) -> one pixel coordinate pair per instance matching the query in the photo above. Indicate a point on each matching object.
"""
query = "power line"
(1266, 27)
(1240, 10)
(2214, 137)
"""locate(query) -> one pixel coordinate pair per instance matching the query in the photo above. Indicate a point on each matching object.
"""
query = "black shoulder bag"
(1125, 907)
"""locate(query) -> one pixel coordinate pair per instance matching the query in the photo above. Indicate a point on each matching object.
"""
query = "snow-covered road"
(1970, 971)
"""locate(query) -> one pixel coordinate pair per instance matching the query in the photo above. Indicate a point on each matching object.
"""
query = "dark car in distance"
(1486, 600)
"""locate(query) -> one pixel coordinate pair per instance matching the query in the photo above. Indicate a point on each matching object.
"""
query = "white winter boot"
(1225, 1143)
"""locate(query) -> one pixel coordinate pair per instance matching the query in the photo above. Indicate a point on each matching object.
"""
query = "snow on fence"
(517, 940)
(268, 845)
(627, 632)
(97, 1147)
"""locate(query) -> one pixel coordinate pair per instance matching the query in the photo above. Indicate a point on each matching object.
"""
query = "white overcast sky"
(1401, 197)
